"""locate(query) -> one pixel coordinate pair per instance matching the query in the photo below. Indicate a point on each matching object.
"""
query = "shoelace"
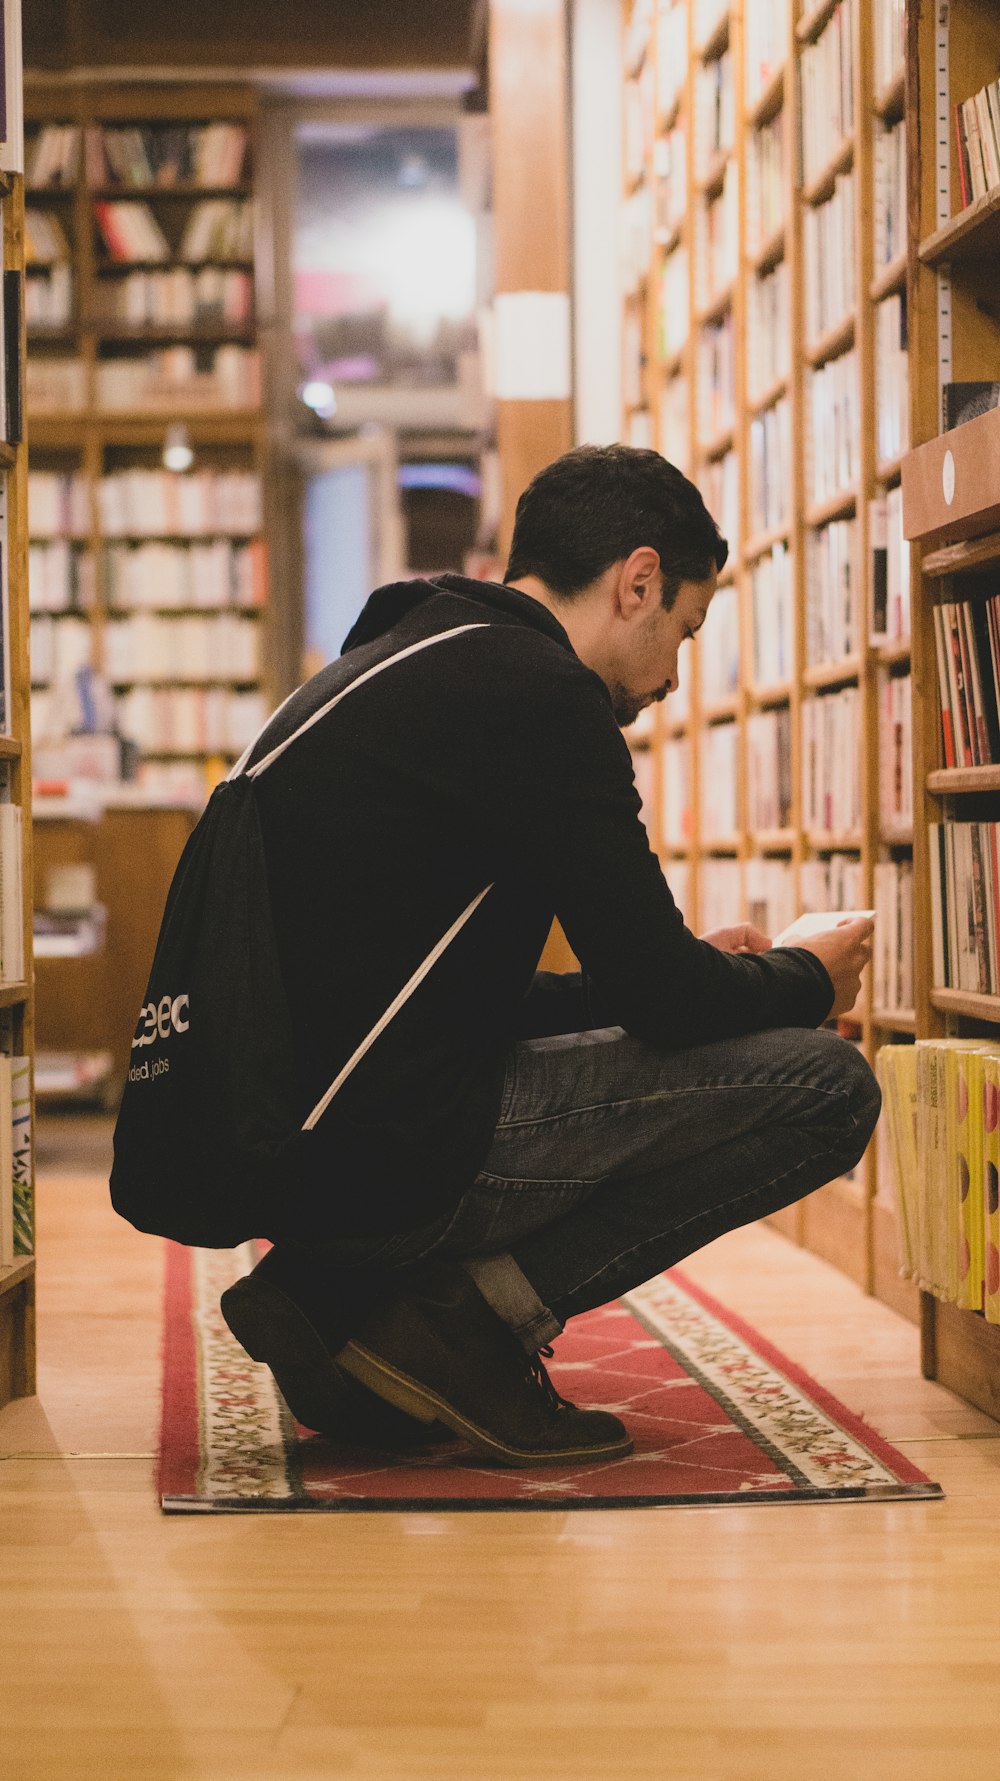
(536, 1368)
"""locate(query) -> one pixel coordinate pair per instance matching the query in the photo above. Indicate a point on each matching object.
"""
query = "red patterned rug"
(717, 1416)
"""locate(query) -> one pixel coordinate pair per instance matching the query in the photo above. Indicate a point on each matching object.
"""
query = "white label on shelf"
(948, 478)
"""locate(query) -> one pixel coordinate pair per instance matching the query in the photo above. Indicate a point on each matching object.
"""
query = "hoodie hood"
(388, 605)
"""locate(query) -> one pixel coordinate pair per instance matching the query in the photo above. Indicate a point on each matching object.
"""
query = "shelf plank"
(720, 710)
(891, 278)
(888, 655)
(8, 456)
(966, 1354)
(772, 840)
(948, 781)
(821, 841)
(768, 102)
(831, 344)
(889, 470)
(716, 41)
(13, 994)
(15, 1272)
(822, 186)
(778, 694)
(832, 673)
(716, 307)
(894, 1020)
(888, 104)
(969, 553)
(839, 506)
(813, 20)
(764, 542)
(768, 254)
(717, 447)
(974, 234)
(768, 397)
(964, 1001)
(11, 748)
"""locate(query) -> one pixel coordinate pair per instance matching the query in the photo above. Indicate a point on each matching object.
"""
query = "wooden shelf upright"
(952, 514)
(17, 1278)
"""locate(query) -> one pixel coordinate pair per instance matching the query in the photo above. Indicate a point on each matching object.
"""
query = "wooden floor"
(764, 1643)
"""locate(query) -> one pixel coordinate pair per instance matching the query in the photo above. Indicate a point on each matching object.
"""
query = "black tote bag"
(211, 1119)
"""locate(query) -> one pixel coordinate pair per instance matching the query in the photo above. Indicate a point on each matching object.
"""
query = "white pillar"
(596, 87)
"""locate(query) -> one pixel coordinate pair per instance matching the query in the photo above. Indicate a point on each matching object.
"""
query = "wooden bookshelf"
(949, 497)
(111, 429)
(17, 1278)
(842, 1222)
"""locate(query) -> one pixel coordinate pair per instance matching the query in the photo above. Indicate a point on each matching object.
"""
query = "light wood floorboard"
(734, 1644)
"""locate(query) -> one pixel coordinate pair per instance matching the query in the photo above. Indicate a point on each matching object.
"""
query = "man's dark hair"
(596, 505)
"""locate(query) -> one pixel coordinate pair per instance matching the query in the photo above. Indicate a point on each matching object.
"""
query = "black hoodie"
(493, 759)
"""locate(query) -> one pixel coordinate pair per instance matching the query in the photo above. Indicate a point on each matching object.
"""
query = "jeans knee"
(863, 1099)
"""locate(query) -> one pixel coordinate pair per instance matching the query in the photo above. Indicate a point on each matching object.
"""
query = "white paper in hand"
(807, 926)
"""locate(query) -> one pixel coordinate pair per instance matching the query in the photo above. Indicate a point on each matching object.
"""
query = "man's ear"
(639, 580)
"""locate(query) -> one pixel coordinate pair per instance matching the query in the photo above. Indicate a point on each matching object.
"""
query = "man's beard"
(627, 706)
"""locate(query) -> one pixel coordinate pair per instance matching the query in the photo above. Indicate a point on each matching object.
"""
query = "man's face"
(647, 667)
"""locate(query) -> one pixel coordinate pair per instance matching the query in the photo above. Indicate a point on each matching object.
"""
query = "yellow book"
(965, 1151)
(991, 1169)
(896, 1067)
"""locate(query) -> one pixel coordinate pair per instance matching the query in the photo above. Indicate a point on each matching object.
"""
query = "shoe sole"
(274, 1331)
(419, 1401)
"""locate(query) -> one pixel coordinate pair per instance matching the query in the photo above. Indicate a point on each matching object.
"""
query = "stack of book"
(892, 378)
(716, 378)
(829, 259)
(765, 176)
(967, 638)
(827, 93)
(895, 744)
(180, 297)
(770, 895)
(890, 195)
(718, 480)
(151, 503)
(831, 763)
(220, 572)
(772, 615)
(835, 426)
(832, 593)
(768, 330)
(719, 648)
(150, 648)
(977, 128)
(60, 579)
(52, 157)
(965, 906)
(889, 570)
(941, 1099)
(770, 467)
(719, 892)
(892, 957)
(58, 504)
(765, 35)
(165, 156)
(769, 769)
(720, 783)
(675, 793)
(190, 720)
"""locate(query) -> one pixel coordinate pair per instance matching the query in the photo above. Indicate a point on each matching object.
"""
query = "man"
(516, 1148)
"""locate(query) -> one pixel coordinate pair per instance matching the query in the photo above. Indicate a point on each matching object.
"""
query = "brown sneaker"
(272, 1316)
(438, 1350)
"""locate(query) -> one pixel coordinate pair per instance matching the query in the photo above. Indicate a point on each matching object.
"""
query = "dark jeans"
(611, 1161)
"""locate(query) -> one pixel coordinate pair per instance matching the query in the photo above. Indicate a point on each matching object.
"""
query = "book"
(13, 318)
(7, 1250)
(962, 402)
(22, 1149)
(806, 927)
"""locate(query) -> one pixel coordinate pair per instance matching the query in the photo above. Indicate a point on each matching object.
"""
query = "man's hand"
(742, 939)
(845, 951)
